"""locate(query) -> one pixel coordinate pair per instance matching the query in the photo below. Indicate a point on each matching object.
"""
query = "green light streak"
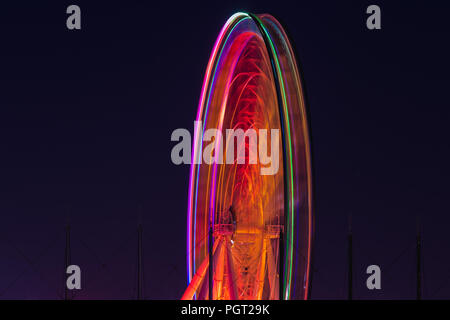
(291, 204)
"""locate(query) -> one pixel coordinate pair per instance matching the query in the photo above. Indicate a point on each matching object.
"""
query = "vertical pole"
(419, 266)
(211, 263)
(66, 261)
(281, 273)
(139, 268)
(350, 262)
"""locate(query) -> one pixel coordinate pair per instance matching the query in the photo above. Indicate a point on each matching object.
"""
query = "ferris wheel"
(249, 234)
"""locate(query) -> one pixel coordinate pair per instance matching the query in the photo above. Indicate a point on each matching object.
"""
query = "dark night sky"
(86, 118)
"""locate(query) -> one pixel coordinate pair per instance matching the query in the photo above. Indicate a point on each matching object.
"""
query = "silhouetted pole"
(281, 274)
(350, 262)
(139, 268)
(419, 266)
(211, 262)
(66, 261)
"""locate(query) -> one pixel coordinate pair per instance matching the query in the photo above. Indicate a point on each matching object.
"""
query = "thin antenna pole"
(139, 268)
(66, 260)
(419, 265)
(350, 259)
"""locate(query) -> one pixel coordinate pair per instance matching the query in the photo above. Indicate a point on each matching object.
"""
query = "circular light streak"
(251, 82)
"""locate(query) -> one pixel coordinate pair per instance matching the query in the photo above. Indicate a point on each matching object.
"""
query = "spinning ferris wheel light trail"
(250, 235)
